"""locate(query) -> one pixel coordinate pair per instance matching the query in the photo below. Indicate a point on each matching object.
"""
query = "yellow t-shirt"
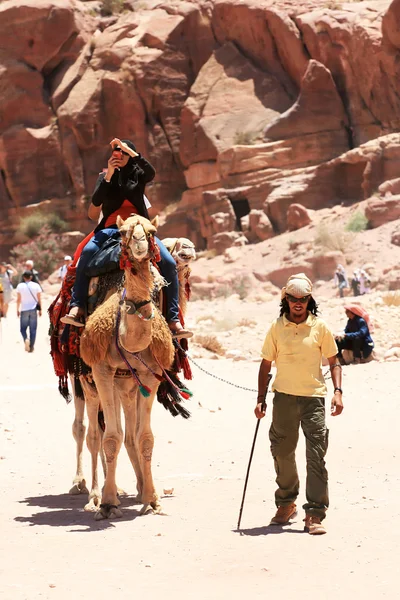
(297, 351)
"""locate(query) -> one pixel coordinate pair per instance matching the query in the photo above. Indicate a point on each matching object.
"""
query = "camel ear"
(155, 222)
(120, 222)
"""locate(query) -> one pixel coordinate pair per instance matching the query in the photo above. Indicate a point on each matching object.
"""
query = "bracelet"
(338, 389)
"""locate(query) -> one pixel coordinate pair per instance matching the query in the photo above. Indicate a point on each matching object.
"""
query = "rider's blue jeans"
(167, 267)
(28, 319)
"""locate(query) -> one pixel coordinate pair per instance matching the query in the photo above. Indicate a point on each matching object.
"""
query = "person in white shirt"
(28, 305)
(62, 271)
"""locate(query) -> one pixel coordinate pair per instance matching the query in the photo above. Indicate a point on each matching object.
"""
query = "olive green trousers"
(289, 412)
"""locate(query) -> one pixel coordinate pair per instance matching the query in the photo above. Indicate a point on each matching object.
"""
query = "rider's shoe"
(178, 332)
(74, 317)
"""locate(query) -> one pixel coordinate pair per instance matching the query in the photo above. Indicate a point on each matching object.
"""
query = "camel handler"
(297, 341)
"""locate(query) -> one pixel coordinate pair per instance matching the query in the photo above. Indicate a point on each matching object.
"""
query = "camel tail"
(169, 395)
(78, 388)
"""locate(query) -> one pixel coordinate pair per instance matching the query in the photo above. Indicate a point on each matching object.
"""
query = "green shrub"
(358, 222)
(111, 7)
(46, 250)
(244, 138)
(32, 225)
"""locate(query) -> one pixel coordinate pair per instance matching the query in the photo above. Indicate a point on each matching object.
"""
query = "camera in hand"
(117, 152)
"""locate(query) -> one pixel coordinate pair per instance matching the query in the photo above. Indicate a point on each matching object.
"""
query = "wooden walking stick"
(263, 405)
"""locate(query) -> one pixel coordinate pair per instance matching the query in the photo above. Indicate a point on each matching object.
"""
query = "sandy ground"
(51, 549)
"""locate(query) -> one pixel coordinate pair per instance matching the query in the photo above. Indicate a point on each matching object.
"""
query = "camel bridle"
(133, 308)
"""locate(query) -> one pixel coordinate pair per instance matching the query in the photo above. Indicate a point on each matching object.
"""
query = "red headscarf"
(358, 310)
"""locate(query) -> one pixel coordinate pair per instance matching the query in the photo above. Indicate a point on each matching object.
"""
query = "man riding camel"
(120, 191)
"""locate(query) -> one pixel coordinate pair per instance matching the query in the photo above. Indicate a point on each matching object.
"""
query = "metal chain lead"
(240, 387)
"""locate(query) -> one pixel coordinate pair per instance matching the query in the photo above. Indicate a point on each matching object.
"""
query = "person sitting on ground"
(35, 274)
(62, 271)
(356, 338)
(7, 271)
(341, 280)
(120, 191)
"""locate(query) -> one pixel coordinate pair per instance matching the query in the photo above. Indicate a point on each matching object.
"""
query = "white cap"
(67, 257)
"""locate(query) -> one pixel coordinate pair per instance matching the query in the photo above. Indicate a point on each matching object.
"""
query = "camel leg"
(93, 442)
(129, 398)
(145, 444)
(78, 431)
(112, 440)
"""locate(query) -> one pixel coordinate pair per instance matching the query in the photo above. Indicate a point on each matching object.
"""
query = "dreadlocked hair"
(312, 307)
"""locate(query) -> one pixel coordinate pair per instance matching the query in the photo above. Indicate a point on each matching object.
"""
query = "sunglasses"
(118, 149)
(293, 299)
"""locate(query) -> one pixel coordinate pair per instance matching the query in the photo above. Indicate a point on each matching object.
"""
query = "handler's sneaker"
(284, 514)
(27, 345)
(313, 525)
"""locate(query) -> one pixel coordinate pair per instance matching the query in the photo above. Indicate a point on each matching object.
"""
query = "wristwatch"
(337, 389)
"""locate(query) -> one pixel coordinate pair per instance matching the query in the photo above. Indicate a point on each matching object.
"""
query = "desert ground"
(52, 549)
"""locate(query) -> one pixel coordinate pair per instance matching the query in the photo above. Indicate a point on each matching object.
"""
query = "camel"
(183, 250)
(126, 331)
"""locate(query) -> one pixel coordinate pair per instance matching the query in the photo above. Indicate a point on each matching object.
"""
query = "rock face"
(297, 216)
(246, 109)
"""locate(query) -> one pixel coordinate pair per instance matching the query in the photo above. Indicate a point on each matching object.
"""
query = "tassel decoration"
(144, 390)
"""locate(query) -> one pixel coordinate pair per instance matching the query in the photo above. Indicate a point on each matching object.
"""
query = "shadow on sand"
(65, 510)
(268, 530)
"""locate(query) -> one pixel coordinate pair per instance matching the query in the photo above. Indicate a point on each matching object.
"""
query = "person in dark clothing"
(356, 337)
(355, 283)
(120, 191)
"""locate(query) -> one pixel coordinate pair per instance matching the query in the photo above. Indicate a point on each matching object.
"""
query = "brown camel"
(127, 330)
(183, 251)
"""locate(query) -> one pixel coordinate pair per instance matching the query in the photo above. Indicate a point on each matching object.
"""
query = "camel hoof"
(137, 499)
(92, 505)
(79, 487)
(108, 511)
(153, 508)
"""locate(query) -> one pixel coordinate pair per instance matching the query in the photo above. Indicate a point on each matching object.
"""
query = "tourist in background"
(341, 280)
(7, 272)
(35, 274)
(62, 271)
(28, 306)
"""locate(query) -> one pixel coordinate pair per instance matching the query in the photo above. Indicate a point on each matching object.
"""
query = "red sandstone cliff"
(243, 107)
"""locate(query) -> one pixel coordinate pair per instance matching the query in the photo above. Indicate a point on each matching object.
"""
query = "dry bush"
(245, 322)
(226, 324)
(391, 299)
(212, 253)
(211, 343)
(333, 238)
(333, 5)
(205, 318)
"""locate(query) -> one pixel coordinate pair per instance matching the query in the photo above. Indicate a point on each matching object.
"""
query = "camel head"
(182, 249)
(137, 237)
